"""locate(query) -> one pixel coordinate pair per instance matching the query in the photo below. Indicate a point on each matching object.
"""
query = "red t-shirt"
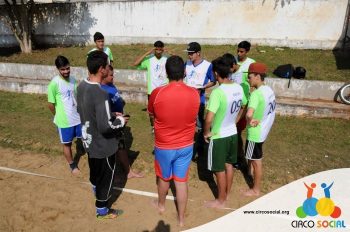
(175, 108)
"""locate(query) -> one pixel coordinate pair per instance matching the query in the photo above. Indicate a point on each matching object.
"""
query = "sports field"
(296, 147)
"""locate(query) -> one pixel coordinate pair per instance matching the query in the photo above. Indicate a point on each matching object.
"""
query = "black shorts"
(253, 150)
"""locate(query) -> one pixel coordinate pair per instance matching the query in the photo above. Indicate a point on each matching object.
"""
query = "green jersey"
(241, 75)
(262, 100)
(62, 93)
(225, 102)
(107, 51)
(156, 74)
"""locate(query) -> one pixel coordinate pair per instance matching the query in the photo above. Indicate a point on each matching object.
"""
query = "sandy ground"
(32, 203)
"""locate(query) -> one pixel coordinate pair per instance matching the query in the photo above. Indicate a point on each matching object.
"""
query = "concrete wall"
(136, 79)
(292, 23)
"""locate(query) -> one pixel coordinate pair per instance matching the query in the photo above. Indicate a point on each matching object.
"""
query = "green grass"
(320, 64)
(296, 147)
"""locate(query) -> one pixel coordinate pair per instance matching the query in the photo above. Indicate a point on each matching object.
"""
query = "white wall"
(299, 23)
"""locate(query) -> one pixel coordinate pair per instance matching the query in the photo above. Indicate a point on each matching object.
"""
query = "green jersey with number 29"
(263, 101)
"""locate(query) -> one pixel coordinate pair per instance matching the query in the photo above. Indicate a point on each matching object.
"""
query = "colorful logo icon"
(323, 206)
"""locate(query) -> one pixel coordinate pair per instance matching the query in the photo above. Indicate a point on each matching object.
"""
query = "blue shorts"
(68, 134)
(173, 164)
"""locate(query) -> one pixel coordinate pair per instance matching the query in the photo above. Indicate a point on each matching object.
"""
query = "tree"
(19, 15)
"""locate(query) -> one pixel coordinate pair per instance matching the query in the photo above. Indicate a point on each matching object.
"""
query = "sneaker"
(152, 131)
(112, 214)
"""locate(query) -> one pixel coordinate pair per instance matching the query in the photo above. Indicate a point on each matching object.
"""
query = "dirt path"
(32, 203)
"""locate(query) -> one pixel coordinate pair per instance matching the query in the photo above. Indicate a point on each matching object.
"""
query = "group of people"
(179, 116)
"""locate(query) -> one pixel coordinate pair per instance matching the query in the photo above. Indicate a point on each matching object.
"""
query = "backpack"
(299, 72)
(284, 71)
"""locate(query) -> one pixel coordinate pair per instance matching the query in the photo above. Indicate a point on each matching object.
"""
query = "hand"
(126, 118)
(254, 122)
(117, 114)
(207, 137)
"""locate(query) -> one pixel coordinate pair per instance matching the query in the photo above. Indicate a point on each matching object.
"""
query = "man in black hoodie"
(98, 132)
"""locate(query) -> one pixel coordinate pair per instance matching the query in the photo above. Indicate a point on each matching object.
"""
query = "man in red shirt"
(174, 108)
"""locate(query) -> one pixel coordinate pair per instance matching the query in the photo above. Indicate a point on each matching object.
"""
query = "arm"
(252, 106)
(211, 78)
(250, 121)
(52, 108)
(105, 123)
(210, 84)
(207, 124)
(51, 97)
(150, 107)
(141, 58)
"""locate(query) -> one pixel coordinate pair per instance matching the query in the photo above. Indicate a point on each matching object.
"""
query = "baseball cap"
(258, 68)
(193, 47)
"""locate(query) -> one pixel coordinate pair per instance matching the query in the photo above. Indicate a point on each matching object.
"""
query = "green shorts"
(221, 151)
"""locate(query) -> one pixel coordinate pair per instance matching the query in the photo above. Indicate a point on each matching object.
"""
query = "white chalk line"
(132, 191)
(137, 192)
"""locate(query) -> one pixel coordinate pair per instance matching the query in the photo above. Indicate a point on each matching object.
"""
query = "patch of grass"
(320, 64)
(296, 147)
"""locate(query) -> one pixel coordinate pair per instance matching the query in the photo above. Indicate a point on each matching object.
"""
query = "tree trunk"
(25, 42)
(20, 19)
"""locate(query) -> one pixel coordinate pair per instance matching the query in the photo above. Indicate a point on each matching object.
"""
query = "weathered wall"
(298, 23)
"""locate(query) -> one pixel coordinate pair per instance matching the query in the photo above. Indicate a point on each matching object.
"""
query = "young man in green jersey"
(224, 108)
(241, 77)
(99, 40)
(63, 105)
(154, 62)
(241, 164)
(260, 117)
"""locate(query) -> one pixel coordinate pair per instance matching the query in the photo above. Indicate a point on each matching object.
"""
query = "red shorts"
(241, 125)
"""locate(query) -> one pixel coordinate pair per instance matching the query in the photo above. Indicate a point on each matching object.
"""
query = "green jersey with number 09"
(225, 102)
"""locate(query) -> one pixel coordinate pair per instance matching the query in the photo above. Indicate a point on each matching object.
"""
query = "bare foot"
(161, 209)
(76, 172)
(133, 174)
(181, 223)
(251, 193)
(214, 204)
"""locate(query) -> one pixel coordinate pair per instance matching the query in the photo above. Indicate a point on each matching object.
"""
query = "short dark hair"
(110, 67)
(158, 44)
(175, 68)
(262, 76)
(98, 36)
(221, 67)
(229, 59)
(95, 60)
(244, 44)
(61, 61)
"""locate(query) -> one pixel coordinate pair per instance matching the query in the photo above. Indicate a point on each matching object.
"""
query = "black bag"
(299, 72)
(284, 71)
